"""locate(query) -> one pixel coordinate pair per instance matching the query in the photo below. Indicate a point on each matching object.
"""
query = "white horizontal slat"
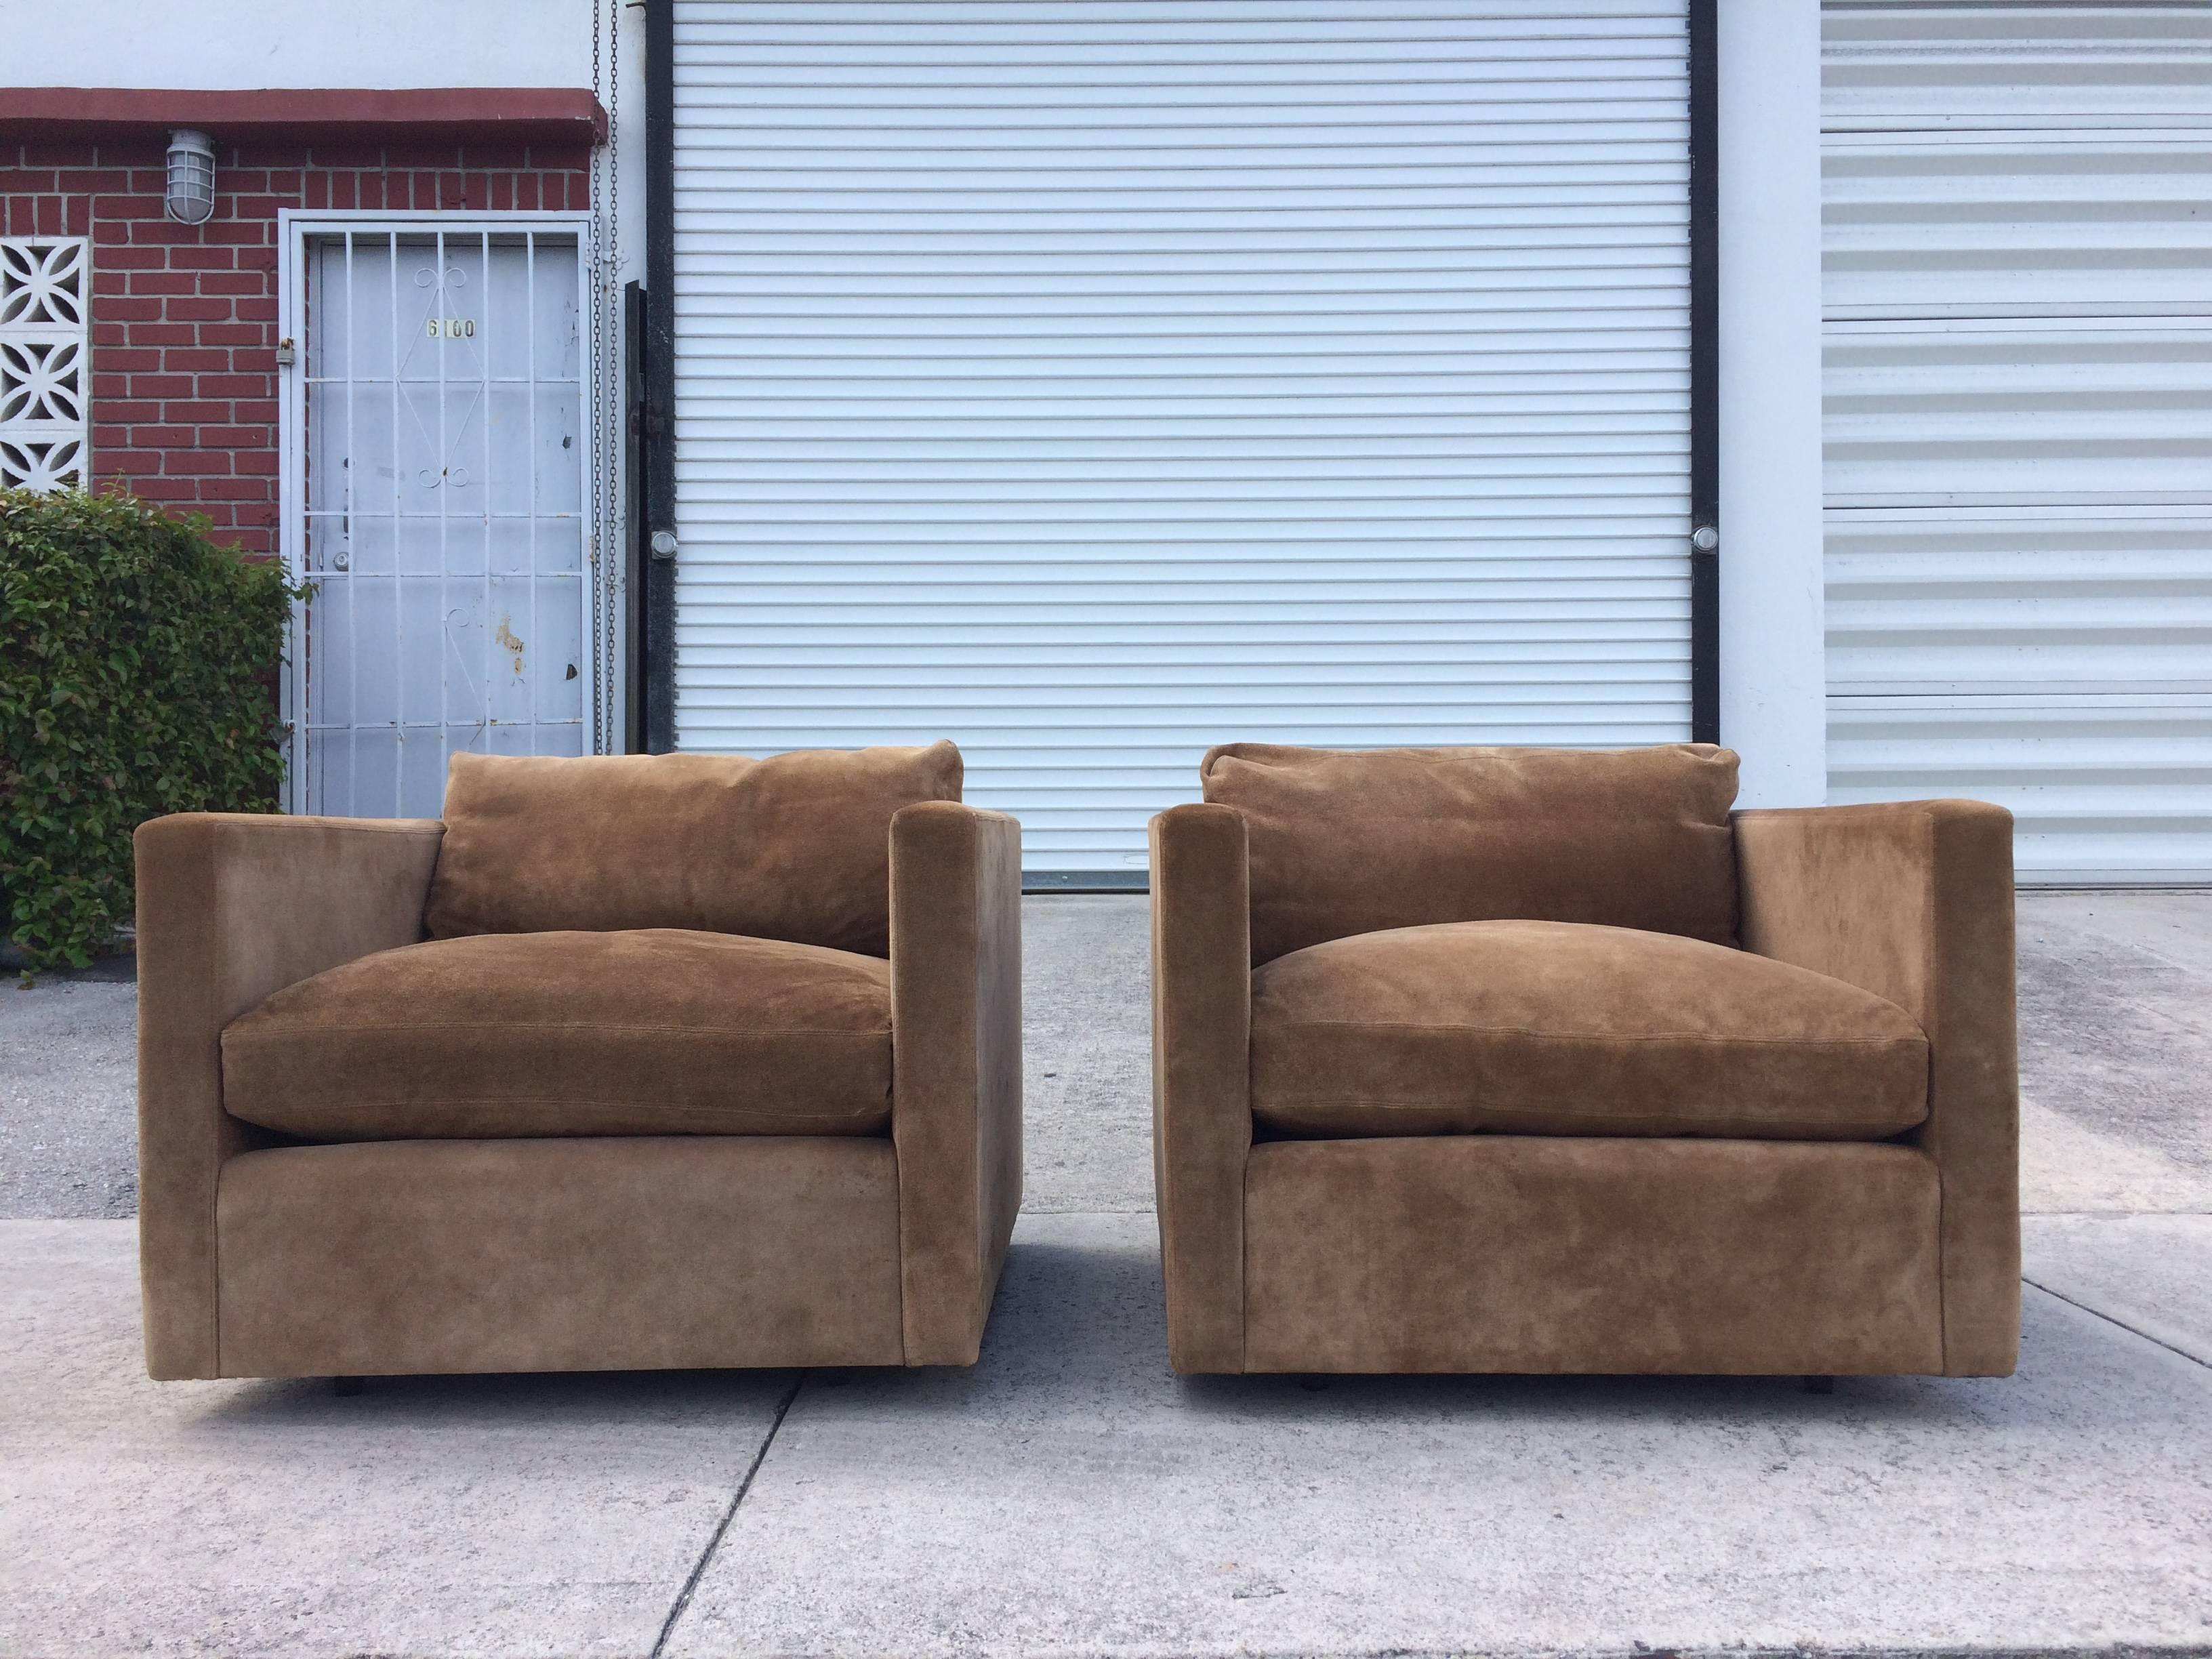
(2019, 422)
(1520, 658)
(1931, 225)
(1092, 384)
(1302, 19)
(928, 278)
(2002, 65)
(858, 476)
(2102, 787)
(2019, 600)
(872, 156)
(1252, 544)
(1295, 432)
(933, 329)
(1957, 414)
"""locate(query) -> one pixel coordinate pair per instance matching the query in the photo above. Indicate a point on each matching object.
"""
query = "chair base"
(631, 1253)
(1520, 1253)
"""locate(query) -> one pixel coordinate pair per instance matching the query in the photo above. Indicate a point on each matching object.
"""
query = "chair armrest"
(232, 908)
(956, 1068)
(1202, 1077)
(1913, 901)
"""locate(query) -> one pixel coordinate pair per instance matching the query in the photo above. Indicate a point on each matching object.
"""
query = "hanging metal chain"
(606, 78)
(594, 290)
(610, 399)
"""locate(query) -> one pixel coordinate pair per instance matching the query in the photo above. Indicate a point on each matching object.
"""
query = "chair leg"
(1820, 1385)
(345, 1387)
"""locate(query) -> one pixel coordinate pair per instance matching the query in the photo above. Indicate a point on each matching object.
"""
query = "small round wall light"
(189, 199)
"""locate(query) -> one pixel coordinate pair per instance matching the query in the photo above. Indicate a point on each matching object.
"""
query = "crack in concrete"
(714, 1542)
(2099, 1313)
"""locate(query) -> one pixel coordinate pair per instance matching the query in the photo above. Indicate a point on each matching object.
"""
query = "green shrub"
(134, 663)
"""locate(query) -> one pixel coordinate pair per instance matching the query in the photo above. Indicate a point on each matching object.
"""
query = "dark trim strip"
(1085, 881)
(527, 112)
(1704, 374)
(659, 643)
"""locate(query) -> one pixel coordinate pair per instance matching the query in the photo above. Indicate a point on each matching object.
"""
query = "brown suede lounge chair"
(1537, 1060)
(628, 1063)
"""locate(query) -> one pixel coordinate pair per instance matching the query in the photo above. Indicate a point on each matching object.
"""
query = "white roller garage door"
(1094, 382)
(2018, 297)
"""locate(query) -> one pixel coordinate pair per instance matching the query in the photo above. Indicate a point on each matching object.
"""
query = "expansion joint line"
(2098, 1313)
(698, 1567)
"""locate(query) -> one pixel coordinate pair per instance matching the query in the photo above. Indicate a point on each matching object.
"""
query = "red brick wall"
(184, 317)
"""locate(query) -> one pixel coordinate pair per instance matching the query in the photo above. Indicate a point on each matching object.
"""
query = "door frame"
(296, 228)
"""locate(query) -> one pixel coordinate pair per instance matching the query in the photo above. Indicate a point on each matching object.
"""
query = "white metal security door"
(1092, 382)
(441, 448)
(2019, 382)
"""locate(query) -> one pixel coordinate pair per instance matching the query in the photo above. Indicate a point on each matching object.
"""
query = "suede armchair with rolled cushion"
(628, 1063)
(1539, 1060)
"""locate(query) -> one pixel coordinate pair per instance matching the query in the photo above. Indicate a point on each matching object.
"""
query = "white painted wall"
(625, 129)
(1773, 690)
(204, 44)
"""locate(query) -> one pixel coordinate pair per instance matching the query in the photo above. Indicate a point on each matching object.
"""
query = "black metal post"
(1704, 375)
(657, 566)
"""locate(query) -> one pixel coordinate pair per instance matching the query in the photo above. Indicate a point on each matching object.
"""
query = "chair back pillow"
(1346, 842)
(796, 847)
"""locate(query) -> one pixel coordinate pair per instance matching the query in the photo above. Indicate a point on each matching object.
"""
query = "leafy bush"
(134, 663)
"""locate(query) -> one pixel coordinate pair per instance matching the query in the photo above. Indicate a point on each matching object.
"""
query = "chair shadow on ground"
(1078, 1329)
(1088, 1319)
(582, 1401)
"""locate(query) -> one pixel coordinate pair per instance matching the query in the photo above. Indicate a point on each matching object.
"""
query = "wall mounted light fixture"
(189, 199)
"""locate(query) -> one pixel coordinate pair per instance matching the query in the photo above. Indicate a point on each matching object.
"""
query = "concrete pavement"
(1070, 1495)
(515, 1515)
(69, 1091)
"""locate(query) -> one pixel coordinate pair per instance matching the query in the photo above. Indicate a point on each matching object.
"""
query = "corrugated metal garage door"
(2019, 295)
(1094, 382)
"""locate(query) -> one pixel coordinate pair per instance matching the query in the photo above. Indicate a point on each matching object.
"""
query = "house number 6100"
(452, 328)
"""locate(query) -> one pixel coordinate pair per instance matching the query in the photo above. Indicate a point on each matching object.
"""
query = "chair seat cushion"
(1561, 1028)
(657, 1031)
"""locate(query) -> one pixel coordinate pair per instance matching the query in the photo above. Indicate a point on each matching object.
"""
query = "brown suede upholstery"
(956, 890)
(653, 1032)
(1509, 1252)
(795, 847)
(1914, 902)
(1201, 1082)
(837, 1156)
(232, 908)
(1546, 1028)
(1352, 842)
(532, 1255)
(1739, 1168)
